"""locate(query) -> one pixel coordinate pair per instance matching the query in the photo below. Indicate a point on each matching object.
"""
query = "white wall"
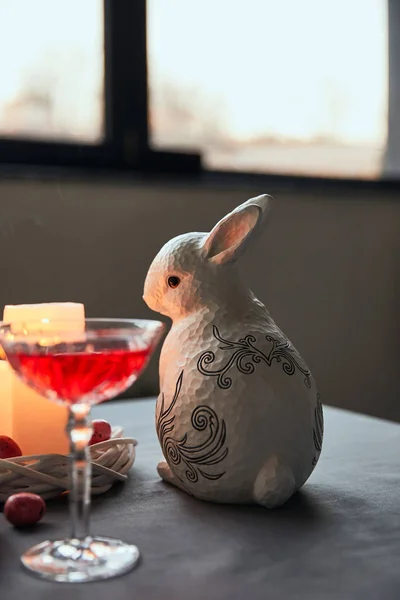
(327, 267)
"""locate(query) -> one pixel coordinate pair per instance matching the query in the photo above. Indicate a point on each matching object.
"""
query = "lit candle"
(37, 424)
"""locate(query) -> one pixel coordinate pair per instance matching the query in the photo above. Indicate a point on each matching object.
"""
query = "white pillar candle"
(5, 399)
(37, 424)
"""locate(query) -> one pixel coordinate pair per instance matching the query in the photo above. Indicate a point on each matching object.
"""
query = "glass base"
(77, 561)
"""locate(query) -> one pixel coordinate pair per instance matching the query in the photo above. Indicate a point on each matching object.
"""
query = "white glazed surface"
(239, 417)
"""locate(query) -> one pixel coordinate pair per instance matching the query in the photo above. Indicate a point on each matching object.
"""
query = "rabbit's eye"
(173, 281)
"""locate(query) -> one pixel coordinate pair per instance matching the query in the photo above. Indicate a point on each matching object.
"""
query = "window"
(291, 88)
(275, 87)
(52, 70)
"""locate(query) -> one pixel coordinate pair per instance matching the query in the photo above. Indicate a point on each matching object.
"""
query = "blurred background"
(125, 123)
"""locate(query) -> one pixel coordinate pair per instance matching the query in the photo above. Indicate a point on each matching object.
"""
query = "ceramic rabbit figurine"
(239, 417)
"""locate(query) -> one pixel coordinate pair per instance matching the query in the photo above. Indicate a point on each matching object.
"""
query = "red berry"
(9, 448)
(101, 431)
(24, 509)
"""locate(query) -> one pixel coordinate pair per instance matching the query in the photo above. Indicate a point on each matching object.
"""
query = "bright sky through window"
(51, 69)
(262, 85)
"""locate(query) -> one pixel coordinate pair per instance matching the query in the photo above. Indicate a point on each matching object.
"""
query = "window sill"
(200, 179)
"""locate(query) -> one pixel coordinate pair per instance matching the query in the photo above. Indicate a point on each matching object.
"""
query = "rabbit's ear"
(230, 237)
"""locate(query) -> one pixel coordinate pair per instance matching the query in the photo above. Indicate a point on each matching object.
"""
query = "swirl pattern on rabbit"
(245, 354)
(209, 451)
(238, 421)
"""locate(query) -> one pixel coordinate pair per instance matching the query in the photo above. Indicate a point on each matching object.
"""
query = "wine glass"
(79, 364)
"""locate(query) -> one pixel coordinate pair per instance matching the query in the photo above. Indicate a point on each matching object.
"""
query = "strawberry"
(9, 448)
(24, 509)
(101, 431)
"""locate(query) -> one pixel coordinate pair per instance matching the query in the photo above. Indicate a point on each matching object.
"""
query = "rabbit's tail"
(274, 484)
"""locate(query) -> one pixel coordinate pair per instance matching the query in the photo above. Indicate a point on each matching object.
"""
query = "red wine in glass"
(80, 369)
(76, 377)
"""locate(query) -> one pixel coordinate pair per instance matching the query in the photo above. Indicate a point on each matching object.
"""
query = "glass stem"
(79, 431)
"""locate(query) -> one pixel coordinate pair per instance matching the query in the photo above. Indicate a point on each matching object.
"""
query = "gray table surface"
(337, 539)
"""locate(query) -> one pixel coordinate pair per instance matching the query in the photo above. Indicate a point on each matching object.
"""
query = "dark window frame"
(126, 146)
